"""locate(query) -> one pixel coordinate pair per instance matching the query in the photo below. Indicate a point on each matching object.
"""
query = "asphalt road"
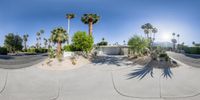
(102, 80)
(15, 62)
(192, 60)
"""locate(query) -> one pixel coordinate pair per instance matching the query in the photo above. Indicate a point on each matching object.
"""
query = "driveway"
(102, 80)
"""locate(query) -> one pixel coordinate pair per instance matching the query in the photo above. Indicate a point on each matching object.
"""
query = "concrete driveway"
(101, 81)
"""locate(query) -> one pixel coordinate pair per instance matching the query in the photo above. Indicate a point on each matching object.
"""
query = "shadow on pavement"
(112, 60)
(141, 72)
(193, 56)
(5, 57)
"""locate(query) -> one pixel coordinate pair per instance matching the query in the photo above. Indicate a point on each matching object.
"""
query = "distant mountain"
(163, 44)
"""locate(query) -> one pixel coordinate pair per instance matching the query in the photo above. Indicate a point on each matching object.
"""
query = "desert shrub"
(103, 43)
(41, 50)
(51, 53)
(68, 48)
(3, 51)
(192, 50)
(31, 50)
(138, 45)
(163, 55)
(82, 42)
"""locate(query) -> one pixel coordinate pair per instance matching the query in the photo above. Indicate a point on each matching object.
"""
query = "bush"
(40, 50)
(3, 51)
(51, 53)
(103, 43)
(82, 42)
(163, 55)
(191, 50)
(138, 45)
(31, 50)
(68, 48)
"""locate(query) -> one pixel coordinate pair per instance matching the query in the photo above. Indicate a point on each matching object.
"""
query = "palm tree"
(193, 43)
(178, 37)
(45, 43)
(90, 19)
(25, 39)
(147, 29)
(173, 35)
(49, 41)
(154, 31)
(103, 39)
(69, 17)
(124, 42)
(174, 41)
(39, 37)
(59, 36)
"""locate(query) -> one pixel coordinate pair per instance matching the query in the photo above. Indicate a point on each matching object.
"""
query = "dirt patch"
(64, 64)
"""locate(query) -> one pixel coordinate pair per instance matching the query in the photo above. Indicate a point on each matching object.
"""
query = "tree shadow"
(5, 57)
(167, 73)
(141, 72)
(111, 60)
(193, 56)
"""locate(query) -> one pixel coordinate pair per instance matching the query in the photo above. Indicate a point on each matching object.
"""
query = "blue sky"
(120, 19)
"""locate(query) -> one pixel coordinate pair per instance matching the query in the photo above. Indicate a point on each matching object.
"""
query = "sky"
(119, 19)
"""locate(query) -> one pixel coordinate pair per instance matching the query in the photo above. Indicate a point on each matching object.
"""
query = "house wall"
(114, 50)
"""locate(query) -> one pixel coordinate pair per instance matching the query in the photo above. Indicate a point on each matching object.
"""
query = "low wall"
(113, 50)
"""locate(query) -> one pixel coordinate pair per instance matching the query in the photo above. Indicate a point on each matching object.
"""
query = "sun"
(166, 37)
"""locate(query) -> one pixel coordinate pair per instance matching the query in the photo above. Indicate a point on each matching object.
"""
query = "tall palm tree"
(147, 29)
(193, 43)
(59, 36)
(49, 41)
(45, 43)
(25, 39)
(69, 17)
(39, 38)
(103, 39)
(154, 31)
(38, 35)
(174, 41)
(124, 42)
(178, 35)
(90, 19)
(173, 34)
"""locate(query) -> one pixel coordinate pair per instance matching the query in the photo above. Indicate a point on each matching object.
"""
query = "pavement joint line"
(4, 87)
(122, 94)
(160, 86)
(178, 97)
(59, 90)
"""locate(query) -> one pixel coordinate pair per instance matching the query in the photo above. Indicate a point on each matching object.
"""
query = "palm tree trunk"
(59, 48)
(25, 45)
(68, 29)
(68, 26)
(90, 28)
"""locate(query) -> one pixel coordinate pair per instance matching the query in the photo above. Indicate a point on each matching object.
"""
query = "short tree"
(82, 42)
(13, 42)
(59, 36)
(138, 45)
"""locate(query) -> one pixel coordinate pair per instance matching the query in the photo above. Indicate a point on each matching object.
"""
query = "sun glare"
(166, 37)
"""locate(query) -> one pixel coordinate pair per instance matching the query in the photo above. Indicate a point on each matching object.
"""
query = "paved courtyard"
(102, 80)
